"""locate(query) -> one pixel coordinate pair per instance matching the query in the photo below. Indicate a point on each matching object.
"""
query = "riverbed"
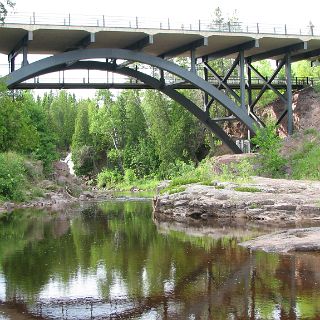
(114, 260)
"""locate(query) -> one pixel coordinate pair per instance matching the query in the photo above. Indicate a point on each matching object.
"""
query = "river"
(112, 260)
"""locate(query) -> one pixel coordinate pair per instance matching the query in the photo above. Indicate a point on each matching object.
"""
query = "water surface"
(111, 260)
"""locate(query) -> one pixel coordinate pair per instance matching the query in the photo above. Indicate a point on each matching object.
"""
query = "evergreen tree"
(82, 151)
(4, 7)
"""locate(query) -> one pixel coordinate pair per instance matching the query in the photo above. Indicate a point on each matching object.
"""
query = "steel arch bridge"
(117, 50)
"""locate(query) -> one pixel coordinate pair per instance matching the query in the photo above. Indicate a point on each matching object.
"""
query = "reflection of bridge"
(122, 47)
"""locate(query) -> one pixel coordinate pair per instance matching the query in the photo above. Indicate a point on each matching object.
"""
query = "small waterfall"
(69, 163)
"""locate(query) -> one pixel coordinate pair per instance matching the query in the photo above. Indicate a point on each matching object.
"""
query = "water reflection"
(110, 260)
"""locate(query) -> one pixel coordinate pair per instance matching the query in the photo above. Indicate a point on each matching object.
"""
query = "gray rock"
(289, 200)
(287, 241)
(9, 206)
(88, 194)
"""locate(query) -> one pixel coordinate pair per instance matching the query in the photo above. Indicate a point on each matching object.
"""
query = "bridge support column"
(242, 80)
(289, 93)
(249, 92)
(21, 46)
(206, 96)
(193, 60)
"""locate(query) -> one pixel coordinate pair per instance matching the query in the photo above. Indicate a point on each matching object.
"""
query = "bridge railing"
(165, 23)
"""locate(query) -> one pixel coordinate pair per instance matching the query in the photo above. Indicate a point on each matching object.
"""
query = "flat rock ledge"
(56, 201)
(294, 240)
(261, 199)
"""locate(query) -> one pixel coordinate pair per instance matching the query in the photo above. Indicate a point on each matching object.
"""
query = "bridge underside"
(232, 91)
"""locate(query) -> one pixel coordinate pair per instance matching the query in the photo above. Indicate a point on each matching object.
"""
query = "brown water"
(112, 261)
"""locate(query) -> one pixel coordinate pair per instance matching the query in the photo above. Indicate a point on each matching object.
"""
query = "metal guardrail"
(112, 78)
(157, 23)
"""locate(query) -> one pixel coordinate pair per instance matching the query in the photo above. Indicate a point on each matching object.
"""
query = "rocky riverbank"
(261, 199)
(55, 201)
(61, 190)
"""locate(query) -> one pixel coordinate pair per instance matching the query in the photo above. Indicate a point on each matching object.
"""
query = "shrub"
(108, 178)
(12, 176)
(129, 176)
(305, 163)
(178, 168)
(83, 159)
(269, 143)
(237, 172)
(317, 87)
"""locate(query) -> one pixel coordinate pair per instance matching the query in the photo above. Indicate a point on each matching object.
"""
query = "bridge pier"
(289, 93)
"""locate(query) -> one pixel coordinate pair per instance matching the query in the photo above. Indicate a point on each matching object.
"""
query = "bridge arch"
(78, 59)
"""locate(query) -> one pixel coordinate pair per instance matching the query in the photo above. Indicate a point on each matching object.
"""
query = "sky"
(270, 11)
(247, 11)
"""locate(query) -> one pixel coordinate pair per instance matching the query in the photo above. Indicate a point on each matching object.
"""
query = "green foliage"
(81, 136)
(265, 68)
(305, 69)
(4, 7)
(61, 111)
(83, 159)
(177, 135)
(12, 176)
(173, 189)
(271, 162)
(187, 173)
(17, 130)
(316, 86)
(141, 157)
(129, 176)
(305, 163)
(83, 154)
(247, 189)
(46, 147)
(310, 131)
(240, 171)
(179, 169)
(46, 151)
(108, 178)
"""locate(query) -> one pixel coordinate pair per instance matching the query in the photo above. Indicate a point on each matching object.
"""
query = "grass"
(254, 206)
(172, 190)
(36, 192)
(239, 172)
(179, 181)
(305, 163)
(141, 184)
(236, 172)
(247, 189)
(207, 183)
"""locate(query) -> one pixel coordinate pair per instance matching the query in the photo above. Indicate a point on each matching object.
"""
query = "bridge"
(142, 52)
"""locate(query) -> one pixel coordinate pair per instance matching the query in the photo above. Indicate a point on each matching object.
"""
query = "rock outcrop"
(294, 240)
(261, 199)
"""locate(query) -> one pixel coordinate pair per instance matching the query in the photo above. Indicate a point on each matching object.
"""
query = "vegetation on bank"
(19, 177)
(125, 156)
